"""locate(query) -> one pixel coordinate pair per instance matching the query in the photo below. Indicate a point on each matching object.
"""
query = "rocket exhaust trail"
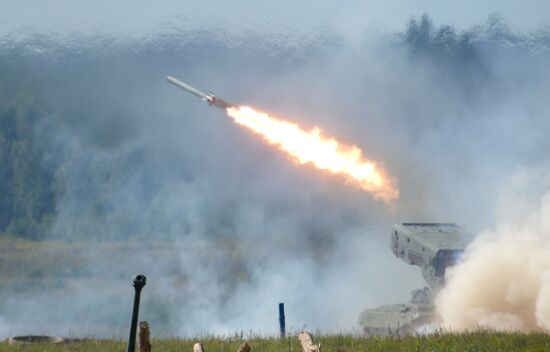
(308, 147)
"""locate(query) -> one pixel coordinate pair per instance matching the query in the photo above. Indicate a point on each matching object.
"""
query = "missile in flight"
(209, 97)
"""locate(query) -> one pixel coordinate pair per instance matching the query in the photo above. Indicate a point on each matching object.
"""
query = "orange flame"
(325, 153)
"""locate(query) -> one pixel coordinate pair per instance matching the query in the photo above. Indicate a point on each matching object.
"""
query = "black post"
(139, 282)
(282, 319)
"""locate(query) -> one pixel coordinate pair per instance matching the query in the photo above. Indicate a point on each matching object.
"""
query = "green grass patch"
(478, 341)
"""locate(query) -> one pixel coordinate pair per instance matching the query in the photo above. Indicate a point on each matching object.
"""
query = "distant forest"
(27, 186)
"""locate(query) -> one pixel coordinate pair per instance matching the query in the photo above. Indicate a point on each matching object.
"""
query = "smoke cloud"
(148, 179)
(503, 281)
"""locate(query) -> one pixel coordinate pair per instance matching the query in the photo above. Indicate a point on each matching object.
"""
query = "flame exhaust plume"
(307, 146)
(324, 153)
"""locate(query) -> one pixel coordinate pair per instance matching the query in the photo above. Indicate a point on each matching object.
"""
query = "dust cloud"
(503, 281)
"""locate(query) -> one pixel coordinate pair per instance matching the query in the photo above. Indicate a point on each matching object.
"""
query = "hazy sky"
(143, 17)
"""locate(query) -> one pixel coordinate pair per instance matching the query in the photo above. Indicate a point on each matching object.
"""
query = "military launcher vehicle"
(433, 247)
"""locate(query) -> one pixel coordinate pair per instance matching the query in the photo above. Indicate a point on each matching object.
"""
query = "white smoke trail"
(503, 282)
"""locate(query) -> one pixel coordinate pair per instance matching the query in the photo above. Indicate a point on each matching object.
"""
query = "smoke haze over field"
(225, 227)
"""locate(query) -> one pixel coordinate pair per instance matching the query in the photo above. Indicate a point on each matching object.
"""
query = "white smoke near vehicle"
(503, 280)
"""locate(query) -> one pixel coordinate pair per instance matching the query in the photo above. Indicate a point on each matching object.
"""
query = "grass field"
(479, 341)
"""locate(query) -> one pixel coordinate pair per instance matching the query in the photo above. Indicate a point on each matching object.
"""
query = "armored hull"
(400, 319)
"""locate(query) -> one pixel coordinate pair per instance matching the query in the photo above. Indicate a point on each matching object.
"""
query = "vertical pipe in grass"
(282, 327)
(139, 282)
